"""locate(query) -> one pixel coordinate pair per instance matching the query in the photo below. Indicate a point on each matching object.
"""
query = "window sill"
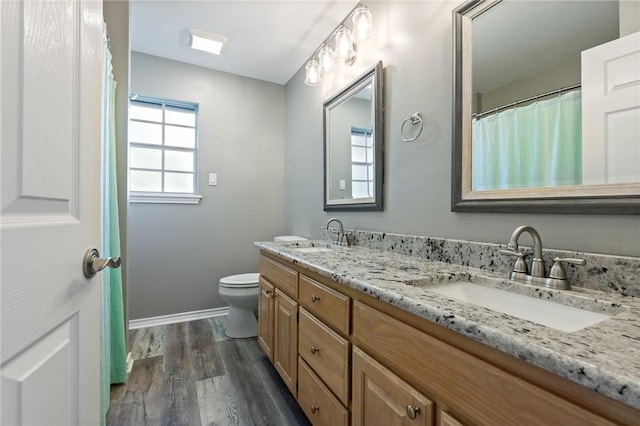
(163, 198)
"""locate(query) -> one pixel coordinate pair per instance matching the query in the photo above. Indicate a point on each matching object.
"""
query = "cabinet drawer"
(327, 304)
(326, 352)
(317, 402)
(279, 275)
(476, 389)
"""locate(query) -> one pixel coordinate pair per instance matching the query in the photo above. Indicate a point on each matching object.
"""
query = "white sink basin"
(550, 314)
(312, 249)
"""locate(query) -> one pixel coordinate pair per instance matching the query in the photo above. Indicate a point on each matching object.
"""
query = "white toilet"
(241, 293)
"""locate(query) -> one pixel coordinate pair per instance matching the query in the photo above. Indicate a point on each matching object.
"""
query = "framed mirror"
(353, 145)
(534, 131)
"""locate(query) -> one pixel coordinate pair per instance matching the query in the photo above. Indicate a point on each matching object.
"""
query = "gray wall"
(414, 41)
(177, 253)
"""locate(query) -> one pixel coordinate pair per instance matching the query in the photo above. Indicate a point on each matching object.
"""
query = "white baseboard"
(179, 317)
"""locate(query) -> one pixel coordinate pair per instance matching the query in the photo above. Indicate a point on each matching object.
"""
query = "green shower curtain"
(537, 145)
(113, 363)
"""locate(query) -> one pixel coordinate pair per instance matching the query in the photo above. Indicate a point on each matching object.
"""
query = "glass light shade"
(326, 59)
(312, 73)
(362, 21)
(344, 43)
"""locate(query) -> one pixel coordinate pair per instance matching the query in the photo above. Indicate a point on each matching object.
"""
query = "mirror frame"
(375, 76)
(597, 199)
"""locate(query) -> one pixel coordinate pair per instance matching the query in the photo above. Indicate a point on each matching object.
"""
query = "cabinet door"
(285, 343)
(266, 317)
(382, 398)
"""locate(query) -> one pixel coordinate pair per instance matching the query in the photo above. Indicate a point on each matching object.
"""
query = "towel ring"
(415, 118)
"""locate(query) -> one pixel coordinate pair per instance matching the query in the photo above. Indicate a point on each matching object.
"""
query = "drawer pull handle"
(314, 298)
(314, 409)
(314, 350)
(412, 412)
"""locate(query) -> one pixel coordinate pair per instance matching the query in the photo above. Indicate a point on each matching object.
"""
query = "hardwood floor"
(192, 374)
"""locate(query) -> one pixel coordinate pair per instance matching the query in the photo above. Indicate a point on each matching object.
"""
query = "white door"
(611, 112)
(51, 53)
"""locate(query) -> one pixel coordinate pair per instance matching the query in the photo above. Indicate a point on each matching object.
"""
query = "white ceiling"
(267, 40)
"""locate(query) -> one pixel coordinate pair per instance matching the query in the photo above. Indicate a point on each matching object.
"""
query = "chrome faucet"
(537, 265)
(557, 275)
(342, 238)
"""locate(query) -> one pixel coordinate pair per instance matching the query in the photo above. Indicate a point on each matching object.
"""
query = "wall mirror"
(353, 145)
(546, 107)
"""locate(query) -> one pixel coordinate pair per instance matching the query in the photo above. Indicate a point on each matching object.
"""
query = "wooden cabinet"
(266, 317)
(380, 397)
(278, 318)
(285, 342)
(313, 328)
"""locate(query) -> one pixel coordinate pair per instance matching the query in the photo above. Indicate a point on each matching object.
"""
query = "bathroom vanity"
(357, 335)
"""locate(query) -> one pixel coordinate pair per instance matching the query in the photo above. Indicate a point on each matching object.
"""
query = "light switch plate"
(213, 179)
(343, 184)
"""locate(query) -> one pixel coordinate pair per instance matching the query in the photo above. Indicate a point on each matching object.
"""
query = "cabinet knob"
(314, 409)
(268, 293)
(412, 411)
(314, 350)
(314, 298)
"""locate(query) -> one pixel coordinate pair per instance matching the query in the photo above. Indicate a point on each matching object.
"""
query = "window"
(361, 163)
(163, 151)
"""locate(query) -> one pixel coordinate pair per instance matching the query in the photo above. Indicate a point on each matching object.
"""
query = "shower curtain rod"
(532, 98)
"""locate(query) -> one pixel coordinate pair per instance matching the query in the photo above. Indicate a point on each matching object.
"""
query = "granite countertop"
(604, 357)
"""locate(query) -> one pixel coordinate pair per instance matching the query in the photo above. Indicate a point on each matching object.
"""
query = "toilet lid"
(241, 280)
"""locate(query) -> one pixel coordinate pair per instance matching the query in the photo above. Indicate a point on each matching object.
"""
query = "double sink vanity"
(374, 334)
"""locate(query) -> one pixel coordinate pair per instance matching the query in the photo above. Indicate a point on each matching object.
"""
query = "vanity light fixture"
(207, 42)
(346, 47)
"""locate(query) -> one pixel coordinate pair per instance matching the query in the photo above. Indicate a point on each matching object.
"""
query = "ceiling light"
(207, 42)
(362, 22)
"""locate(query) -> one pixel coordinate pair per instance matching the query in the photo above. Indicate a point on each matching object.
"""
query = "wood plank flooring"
(191, 374)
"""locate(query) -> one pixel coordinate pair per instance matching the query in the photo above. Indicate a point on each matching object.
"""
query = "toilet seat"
(241, 280)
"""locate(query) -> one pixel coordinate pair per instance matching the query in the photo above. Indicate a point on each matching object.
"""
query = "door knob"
(93, 263)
